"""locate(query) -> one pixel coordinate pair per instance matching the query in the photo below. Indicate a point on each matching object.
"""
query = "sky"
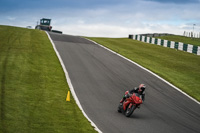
(105, 18)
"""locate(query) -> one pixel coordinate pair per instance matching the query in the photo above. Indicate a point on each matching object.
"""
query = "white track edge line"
(147, 71)
(71, 86)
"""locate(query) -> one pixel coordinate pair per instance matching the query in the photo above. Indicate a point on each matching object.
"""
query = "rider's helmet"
(141, 88)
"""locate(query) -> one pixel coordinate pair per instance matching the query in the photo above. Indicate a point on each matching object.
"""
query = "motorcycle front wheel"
(129, 111)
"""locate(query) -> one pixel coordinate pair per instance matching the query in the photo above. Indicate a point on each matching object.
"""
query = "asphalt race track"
(100, 79)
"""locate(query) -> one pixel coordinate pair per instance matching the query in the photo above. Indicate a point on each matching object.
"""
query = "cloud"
(176, 1)
(133, 18)
(115, 19)
(109, 30)
(10, 18)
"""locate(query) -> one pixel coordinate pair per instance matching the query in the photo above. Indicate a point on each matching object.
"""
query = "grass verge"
(33, 86)
(186, 40)
(178, 67)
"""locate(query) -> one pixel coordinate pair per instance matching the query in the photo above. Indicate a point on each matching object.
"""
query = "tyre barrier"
(170, 44)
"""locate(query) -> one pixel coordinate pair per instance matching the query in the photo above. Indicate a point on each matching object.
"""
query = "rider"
(140, 90)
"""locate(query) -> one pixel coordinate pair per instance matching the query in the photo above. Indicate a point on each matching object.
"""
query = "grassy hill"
(33, 86)
(178, 67)
(186, 40)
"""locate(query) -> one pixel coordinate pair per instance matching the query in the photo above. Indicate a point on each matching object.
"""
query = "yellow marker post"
(68, 97)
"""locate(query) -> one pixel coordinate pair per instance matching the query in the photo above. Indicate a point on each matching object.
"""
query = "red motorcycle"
(130, 104)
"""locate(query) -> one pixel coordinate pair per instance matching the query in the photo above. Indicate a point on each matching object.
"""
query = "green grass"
(33, 86)
(186, 40)
(178, 67)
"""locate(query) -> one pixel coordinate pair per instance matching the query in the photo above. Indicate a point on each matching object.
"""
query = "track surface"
(100, 79)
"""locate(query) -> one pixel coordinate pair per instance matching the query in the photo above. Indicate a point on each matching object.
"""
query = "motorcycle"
(130, 104)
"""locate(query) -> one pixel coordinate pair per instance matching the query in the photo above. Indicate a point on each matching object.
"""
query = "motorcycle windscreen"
(138, 100)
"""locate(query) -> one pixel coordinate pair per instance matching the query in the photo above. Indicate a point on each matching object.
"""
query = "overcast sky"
(105, 18)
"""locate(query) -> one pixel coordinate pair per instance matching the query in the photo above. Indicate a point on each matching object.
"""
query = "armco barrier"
(170, 44)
